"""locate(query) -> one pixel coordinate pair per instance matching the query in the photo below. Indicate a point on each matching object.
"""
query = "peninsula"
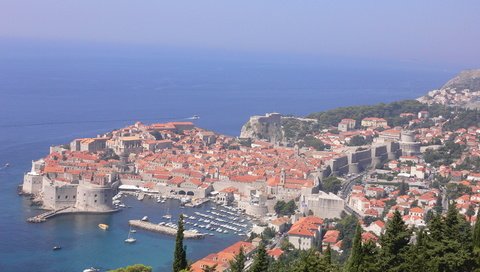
(308, 181)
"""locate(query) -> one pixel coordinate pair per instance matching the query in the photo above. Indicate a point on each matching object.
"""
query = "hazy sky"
(445, 32)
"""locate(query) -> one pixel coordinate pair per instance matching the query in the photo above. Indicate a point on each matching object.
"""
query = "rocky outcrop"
(463, 90)
(276, 128)
(267, 127)
(468, 79)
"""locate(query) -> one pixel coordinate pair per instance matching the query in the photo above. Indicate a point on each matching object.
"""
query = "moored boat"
(91, 269)
(103, 226)
(130, 239)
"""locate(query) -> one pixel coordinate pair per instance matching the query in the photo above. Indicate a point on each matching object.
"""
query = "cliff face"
(266, 127)
(463, 90)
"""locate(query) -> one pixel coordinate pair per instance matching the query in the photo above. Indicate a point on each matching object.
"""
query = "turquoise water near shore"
(73, 91)
(84, 244)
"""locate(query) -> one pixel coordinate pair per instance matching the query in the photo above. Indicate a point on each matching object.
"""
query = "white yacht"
(91, 269)
(130, 239)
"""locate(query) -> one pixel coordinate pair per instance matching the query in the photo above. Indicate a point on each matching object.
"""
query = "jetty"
(164, 229)
(197, 202)
(44, 216)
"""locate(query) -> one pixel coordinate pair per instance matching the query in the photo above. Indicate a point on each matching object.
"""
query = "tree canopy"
(134, 268)
(285, 208)
(180, 254)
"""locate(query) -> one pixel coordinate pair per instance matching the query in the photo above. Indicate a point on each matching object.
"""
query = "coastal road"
(348, 184)
(345, 192)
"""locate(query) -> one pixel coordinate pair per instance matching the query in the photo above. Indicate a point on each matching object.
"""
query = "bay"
(52, 100)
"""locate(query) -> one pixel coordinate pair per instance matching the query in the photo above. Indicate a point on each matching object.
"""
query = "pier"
(197, 202)
(164, 229)
(44, 216)
(65, 210)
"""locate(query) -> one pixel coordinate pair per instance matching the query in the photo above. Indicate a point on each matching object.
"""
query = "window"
(95, 195)
(95, 201)
(58, 197)
(66, 197)
(74, 196)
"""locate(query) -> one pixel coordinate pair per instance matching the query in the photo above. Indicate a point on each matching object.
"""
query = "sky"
(444, 32)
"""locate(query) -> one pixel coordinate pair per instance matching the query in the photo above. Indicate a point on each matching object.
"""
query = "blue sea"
(49, 98)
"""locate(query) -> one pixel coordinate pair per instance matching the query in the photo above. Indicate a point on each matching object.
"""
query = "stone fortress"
(76, 196)
(263, 127)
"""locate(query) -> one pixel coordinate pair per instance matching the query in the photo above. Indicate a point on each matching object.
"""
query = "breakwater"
(164, 229)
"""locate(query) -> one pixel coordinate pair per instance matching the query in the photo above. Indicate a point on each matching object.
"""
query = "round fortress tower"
(94, 198)
(408, 145)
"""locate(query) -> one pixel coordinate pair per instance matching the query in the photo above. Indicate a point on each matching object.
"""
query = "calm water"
(224, 93)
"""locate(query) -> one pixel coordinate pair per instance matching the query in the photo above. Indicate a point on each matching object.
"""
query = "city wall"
(357, 161)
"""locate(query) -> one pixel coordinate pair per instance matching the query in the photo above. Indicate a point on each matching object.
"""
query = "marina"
(212, 221)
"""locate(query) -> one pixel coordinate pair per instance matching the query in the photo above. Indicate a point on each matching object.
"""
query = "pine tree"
(180, 254)
(429, 215)
(355, 259)
(369, 262)
(394, 242)
(416, 255)
(439, 204)
(261, 260)
(309, 262)
(448, 246)
(452, 221)
(470, 211)
(458, 229)
(327, 255)
(476, 242)
(238, 263)
(476, 235)
(437, 228)
(403, 188)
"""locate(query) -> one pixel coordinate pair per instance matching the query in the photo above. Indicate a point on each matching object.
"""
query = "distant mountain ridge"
(463, 90)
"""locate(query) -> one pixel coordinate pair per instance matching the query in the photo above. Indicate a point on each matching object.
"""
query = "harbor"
(57, 231)
(201, 217)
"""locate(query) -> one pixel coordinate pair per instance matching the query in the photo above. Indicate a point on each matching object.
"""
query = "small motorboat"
(91, 269)
(130, 240)
(167, 216)
(145, 218)
(133, 231)
(7, 165)
(195, 117)
(57, 247)
(103, 226)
